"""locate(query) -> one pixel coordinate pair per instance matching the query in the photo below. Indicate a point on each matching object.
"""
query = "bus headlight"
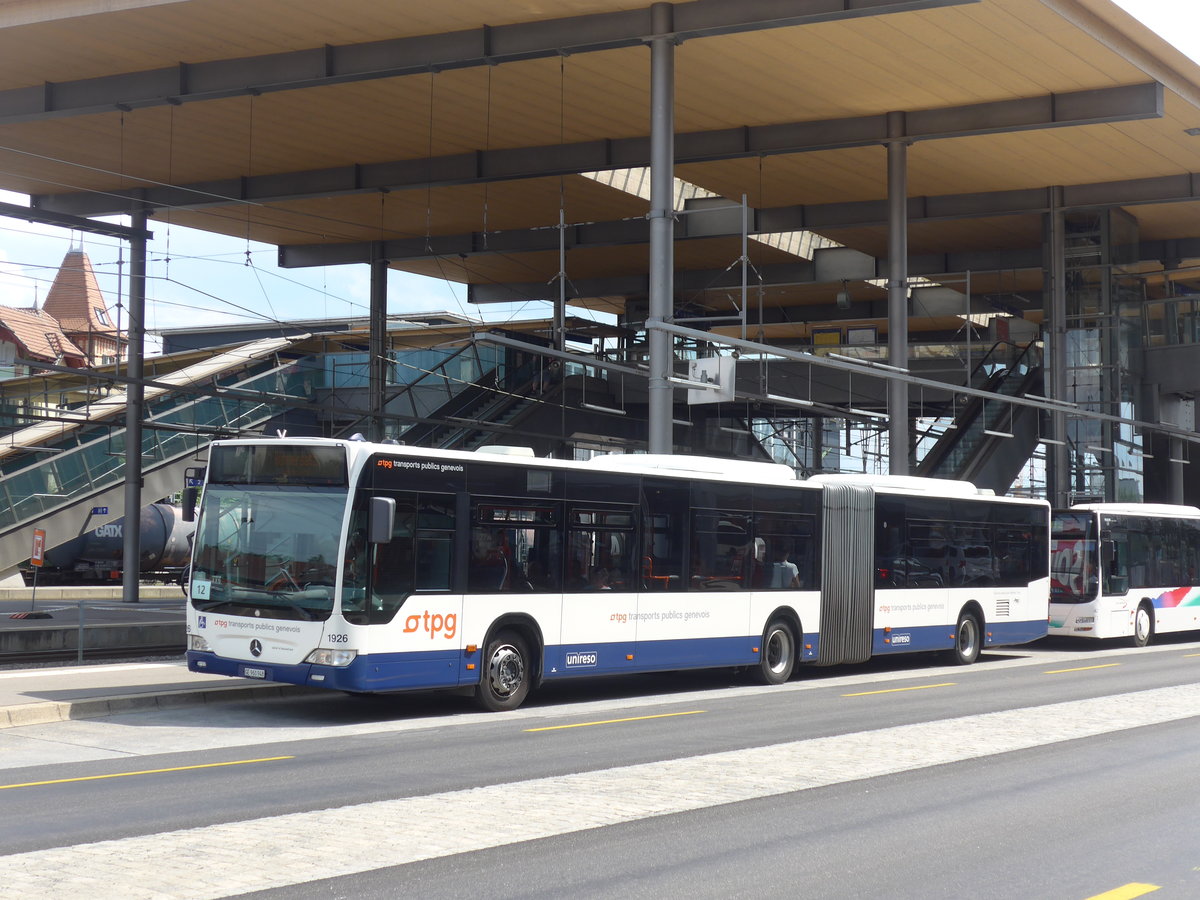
(197, 642)
(320, 657)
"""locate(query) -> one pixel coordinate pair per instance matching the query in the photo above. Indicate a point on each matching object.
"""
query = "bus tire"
(968, 639)
(777, 659)
(507, 673)
(1143, 625)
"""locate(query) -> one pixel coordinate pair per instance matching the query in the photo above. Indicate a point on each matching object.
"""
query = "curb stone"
(43, 713)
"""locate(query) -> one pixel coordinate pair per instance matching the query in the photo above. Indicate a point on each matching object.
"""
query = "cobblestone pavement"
(220, 860)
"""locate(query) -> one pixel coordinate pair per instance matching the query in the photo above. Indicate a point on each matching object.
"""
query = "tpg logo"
(584, 659)
(433, 623)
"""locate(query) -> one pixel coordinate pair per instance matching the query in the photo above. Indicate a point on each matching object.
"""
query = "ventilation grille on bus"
(1002, 607)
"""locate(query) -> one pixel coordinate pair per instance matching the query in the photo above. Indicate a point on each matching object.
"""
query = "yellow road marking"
(1081, 669)
(237, 762)
(1126, 892)
(1186, 655)
(919, 687)
(694, 712)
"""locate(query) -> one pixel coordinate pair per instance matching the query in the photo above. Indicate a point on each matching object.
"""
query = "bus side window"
(391, 570)
(1116, 571)
(600, 548)
(723, 555)
(1191, 551)
(787, 558)
(435, 543)
(663, 535)
(490, 560)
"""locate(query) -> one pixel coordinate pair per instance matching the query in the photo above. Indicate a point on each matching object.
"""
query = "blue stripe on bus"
(1017, 632)
(370, 672)
(941, 637)
(649, 656)
(423, 671)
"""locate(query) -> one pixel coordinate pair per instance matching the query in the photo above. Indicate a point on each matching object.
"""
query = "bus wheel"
(506, 673)
(777, 660)
(967, 640)
(1143, 625)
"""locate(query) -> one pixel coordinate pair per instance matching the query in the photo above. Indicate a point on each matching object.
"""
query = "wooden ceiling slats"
(949, 57)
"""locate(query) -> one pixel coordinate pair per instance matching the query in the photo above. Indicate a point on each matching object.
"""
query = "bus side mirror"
(189, 504)
(381, 520)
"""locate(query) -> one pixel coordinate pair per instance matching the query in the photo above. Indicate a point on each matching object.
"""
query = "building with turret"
(72, 328)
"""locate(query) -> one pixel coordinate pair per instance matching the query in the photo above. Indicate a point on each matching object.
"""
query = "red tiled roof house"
(76, 302)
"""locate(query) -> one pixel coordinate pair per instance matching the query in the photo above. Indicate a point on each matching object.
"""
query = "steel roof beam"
(691, 281)
(75, 223)
(701, 224)
(1048, 111)
(821, 218)
(486, 45)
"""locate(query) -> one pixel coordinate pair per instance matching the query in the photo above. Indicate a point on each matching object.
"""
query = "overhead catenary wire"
(323, 232)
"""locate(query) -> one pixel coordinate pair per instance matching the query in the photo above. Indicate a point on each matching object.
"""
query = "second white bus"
(1125, 570)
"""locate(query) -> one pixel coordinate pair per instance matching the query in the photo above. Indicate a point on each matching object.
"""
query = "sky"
(1178, 21)
(196, 278)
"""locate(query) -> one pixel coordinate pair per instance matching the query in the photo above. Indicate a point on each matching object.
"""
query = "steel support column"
(377, 348)
(1058, 467)
(659, 436)
(560, 304)
(897, 397)
(1175, 471)
(134, 409)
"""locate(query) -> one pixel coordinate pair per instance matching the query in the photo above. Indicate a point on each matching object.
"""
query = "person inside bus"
(599, 580)
(784, 572)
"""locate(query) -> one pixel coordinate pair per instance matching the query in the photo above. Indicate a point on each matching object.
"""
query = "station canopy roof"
(447, 137)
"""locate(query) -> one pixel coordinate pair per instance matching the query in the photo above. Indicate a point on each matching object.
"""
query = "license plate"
(252, 672)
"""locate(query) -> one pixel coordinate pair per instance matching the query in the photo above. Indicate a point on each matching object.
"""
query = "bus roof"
(915, 484)
(661, 463)
(1139, 509)
(740, 470)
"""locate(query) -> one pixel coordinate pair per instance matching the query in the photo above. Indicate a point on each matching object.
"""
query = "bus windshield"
(1073, 575)
(268, 550)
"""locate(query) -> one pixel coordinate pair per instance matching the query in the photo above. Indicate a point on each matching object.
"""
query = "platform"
(56, 694)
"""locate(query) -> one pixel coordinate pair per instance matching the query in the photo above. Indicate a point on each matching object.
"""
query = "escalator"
(54, 475)
(498, 390)
(990, 441)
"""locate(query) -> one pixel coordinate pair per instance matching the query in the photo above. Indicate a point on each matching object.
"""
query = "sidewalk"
(37, 696)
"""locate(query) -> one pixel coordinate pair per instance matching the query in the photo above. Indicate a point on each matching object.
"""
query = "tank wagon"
(95, 557)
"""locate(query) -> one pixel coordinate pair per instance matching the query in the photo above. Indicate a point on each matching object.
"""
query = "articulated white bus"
(377, 568)
(1125, 570)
